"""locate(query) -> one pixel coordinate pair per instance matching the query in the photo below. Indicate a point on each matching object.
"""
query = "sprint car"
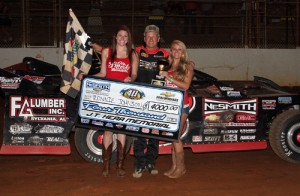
(224, 116)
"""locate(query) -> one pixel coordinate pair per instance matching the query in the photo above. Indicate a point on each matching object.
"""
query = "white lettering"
(14, 105)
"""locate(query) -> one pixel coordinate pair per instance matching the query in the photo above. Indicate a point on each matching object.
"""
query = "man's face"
(151, 39)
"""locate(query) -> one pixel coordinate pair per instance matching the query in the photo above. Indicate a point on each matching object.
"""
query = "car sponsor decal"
(247, 137)
(35, 79)
(38, 109)
(229, 131)
(85, 121)
(49, 129)
(230, 137)
(10, 83)
(218, 106)
(245, 118)
(224, 113)
(233, 93)
(197, 138)
(212, 138)
(226, 88)
(210, 131)
(284, 100)
(242, 131)
(268, 104)
(20, 128)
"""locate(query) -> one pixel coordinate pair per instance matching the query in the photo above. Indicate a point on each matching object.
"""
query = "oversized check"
(130, 108)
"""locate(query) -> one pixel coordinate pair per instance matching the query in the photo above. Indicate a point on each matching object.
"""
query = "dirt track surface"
(226, 173)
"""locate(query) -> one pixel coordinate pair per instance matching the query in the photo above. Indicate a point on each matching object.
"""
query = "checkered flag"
(77, 57)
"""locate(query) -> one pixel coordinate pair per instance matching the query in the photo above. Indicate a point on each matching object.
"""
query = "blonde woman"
(180, 76)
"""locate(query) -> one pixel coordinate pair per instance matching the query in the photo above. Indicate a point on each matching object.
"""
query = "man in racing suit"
(149, 54)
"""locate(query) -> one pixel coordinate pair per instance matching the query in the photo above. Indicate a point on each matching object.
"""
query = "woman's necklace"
(173, 68)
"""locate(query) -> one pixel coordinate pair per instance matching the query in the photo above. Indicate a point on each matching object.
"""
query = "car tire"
(284, 136)
(89, 145)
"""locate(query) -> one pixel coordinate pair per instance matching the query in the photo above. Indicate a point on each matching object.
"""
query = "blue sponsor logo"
(285, 100)
(98, 86)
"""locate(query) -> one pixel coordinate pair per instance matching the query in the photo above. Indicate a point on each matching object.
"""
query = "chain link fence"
(209, 24)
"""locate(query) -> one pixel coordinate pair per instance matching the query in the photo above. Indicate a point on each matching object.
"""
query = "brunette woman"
(119, 62)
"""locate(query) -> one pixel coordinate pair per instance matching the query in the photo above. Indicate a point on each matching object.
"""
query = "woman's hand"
(163, 73)
(81, 75)
(128, 79)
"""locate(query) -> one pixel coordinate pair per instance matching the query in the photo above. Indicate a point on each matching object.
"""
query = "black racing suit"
(146, 72)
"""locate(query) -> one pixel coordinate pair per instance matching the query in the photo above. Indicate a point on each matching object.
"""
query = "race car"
(227, 116)
(224, 116)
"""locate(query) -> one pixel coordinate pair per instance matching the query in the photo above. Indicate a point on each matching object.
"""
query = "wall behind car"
(279, 65)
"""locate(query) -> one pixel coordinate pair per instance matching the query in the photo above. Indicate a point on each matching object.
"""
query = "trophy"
(160, 80)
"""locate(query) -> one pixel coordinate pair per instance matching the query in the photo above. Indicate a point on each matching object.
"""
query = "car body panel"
(224, 115)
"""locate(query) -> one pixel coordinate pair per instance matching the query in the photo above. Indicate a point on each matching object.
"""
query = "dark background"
(218, 23)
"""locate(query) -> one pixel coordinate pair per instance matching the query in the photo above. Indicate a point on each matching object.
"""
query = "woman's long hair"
(128, 45)
(182, 68)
